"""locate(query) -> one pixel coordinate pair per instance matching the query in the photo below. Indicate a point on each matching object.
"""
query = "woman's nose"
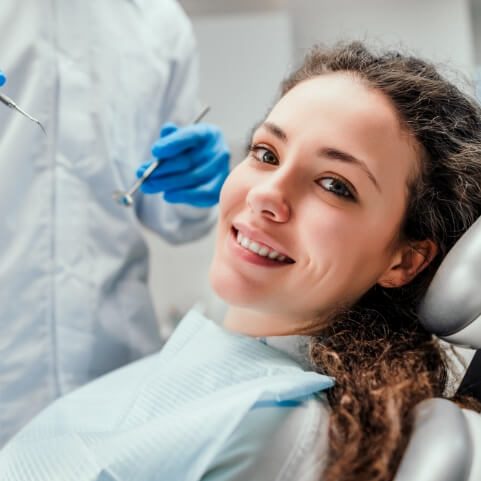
(269, 200)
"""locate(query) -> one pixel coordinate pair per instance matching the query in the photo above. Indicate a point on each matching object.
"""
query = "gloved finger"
(205, 195)
(188, 137)
(140, 171)
(196, 176)
(182, 163)
(167, 129)
(3, 79)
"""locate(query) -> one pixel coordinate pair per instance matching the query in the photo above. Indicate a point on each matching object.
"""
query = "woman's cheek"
(233, 191)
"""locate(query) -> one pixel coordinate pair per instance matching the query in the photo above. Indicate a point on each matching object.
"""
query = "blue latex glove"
(195, 163)
(3, 79)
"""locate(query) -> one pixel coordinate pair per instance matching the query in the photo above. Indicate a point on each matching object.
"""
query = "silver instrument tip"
(11, 104)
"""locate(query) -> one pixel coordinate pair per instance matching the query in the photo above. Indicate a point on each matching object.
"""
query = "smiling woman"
(364, 174)
(356, 185)
(325, 184)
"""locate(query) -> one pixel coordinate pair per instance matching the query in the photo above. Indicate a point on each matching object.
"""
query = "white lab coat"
(102, 77)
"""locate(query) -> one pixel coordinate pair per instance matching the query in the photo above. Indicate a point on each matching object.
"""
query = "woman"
(356, 185)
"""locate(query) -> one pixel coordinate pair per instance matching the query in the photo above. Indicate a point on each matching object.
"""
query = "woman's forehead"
(336, 92)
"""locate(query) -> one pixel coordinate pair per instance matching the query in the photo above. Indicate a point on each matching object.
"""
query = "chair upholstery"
(445, 444)
(474, 425)
(441, 447)
(451, 308)
(446, 440)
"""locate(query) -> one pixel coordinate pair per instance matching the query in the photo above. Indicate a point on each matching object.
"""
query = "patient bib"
(162, 418)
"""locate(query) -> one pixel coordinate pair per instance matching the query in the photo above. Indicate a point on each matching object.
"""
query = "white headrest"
(451, 308)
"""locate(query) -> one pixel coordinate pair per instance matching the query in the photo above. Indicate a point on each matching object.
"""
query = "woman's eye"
(262, 154)
(336, 186)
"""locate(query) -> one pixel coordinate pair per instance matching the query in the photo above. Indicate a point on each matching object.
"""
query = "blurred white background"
(247, 47)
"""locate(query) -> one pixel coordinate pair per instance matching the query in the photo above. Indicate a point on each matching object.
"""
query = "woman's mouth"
(260, 249)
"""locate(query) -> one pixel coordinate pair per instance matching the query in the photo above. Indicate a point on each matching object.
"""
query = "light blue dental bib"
(162, 418)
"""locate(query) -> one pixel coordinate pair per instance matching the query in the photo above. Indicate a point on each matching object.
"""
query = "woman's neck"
(258, 323)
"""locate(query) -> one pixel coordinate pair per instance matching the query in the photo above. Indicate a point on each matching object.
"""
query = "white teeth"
(257, 249)
(263, 251)
(272, 254)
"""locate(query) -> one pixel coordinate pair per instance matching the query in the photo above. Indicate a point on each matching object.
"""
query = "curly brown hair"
(383, 360)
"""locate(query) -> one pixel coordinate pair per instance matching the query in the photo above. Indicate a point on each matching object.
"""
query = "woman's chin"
(230, 288)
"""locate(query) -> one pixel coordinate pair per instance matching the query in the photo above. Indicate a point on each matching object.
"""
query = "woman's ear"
(408, 261)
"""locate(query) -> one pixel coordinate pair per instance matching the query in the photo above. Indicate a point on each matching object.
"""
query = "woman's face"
(325, 188)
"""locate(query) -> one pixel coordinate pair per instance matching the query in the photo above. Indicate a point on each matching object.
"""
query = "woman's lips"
(256, 252)
(262, 239)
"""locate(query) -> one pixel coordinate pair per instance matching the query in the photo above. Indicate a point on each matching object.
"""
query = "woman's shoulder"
(276, 442)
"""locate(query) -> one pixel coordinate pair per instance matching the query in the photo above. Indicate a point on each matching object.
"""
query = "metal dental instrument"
(10, 103)
(126, 198)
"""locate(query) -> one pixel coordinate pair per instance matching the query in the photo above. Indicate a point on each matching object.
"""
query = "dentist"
(102, 77)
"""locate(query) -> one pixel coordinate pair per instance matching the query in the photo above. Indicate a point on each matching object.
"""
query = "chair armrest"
(441, 447)
(473, 421)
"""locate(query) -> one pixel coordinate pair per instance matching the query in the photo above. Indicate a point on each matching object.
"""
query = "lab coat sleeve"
(178, 223)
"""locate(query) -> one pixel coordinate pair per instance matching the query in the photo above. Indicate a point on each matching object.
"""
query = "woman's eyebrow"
(275, 130)
(335, 154)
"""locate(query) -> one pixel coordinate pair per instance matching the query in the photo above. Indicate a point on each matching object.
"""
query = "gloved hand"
(3, 79)
(195, 163)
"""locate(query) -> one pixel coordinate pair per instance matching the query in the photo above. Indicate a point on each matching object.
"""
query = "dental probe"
(10, 103)
(126, 198)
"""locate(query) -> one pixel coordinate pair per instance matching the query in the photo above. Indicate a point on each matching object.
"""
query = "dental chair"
(446, 441)
(445, 444)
